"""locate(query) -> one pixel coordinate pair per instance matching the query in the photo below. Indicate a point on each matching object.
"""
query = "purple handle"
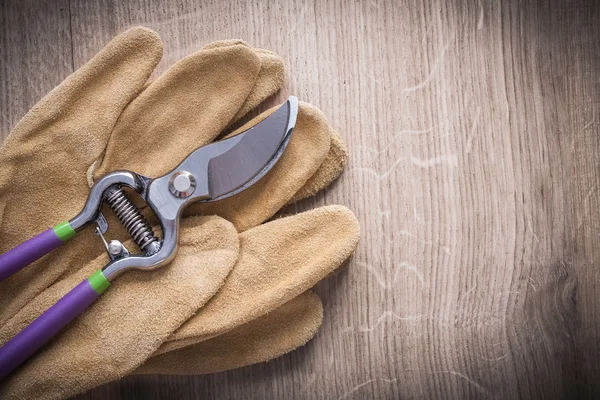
(27, 252)
(43, 328)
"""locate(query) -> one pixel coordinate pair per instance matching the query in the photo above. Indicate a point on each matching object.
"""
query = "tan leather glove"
(160, 116)
(249, 320)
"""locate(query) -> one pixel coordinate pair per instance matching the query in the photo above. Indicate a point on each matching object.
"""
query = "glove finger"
(329, 171)
(129, 322)
(283, 330)
(269, 80)
(45, 158)
(305, 153)
(278, 261)
(185, 108)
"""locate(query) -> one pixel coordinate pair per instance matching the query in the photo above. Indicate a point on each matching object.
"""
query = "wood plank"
(473, 129)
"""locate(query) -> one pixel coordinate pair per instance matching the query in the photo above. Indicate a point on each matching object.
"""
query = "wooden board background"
(473, 129)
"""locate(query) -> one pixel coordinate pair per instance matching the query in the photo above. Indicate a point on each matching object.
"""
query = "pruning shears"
(210, 173)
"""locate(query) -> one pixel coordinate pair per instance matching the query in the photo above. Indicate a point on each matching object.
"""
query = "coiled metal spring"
(131, 218)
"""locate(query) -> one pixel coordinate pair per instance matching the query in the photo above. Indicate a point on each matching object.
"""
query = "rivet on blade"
(182, 184)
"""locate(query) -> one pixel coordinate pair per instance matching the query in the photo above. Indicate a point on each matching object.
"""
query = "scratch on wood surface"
(580, 214)
(494, 359)
(426, 34)
(472, 131)
(530, 229)
(407, 233)
(404, 232)
(360, 385)
(591, 122)
(410, 267)
(373, 78)
(397, 268)
(478, 386)
(375, 174)
(468, 292)
(390, 316)
(418, 217)
(385, 213)
(432, 71)
(531, 282)
(465, 377)
(450, 159)
(480, 22)
(396, 136)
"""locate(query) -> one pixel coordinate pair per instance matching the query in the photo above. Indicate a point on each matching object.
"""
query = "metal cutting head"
(227, 167)
(210, 173)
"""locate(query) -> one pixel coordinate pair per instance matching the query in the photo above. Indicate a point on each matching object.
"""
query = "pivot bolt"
(115, 248)
(182, 184)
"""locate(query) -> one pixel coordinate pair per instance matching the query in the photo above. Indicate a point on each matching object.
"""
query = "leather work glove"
(102, 118)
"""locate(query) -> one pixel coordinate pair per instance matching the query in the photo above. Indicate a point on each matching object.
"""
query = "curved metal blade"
(254, 153)
(222, 169)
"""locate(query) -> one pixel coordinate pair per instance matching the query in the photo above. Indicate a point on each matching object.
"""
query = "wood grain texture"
(473, 129)
(35, 55)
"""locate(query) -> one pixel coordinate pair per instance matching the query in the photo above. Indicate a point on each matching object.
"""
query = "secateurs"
(211, 173)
